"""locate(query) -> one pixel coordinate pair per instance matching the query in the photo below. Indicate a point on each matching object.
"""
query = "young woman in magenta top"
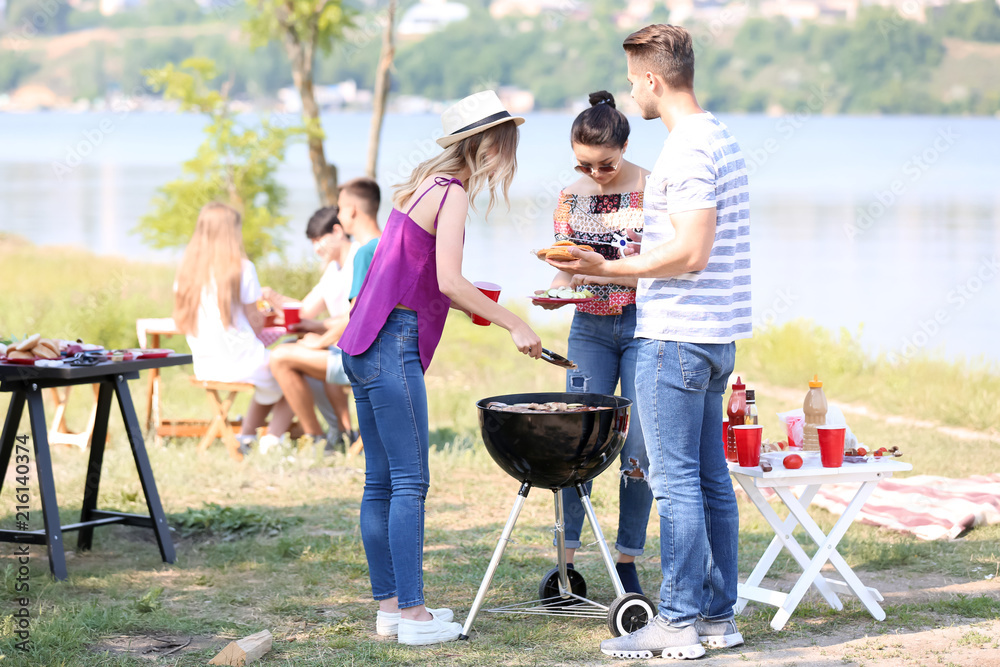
(395, 326)
(599, 210)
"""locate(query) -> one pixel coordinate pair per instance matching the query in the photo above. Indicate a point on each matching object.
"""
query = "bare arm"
(450, 234)
(580, 280)
(313, 304)
(689, 250)
(273, 298)
(255, 317)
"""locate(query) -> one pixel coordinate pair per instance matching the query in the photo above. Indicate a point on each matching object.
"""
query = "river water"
(890, 224)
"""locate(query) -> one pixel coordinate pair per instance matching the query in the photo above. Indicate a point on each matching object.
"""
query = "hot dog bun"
(560, 255)
(15, 354)
(44, 352)
(28, 343)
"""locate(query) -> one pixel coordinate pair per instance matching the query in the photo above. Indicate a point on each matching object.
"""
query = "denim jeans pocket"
(366, 366)
(696, 367)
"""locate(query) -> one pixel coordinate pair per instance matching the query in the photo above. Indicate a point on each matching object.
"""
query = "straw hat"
(473, 114)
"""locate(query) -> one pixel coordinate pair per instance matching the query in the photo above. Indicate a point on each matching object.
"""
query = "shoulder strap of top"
(447, 187)
(438, 180)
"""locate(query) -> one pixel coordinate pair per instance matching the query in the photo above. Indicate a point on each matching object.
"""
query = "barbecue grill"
(557, 450)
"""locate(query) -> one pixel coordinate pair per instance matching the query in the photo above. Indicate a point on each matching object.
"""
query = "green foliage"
(956, 393)
(14, 68)
(317, 22)
(149, 601)
(880, 62)
(234, 165)
(977, 21)
(556, 58)
(885, 59)
(229, 522)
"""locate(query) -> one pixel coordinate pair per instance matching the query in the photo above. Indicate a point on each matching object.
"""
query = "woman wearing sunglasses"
(599, 210)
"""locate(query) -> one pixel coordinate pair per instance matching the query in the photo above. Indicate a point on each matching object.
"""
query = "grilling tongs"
(557, 359)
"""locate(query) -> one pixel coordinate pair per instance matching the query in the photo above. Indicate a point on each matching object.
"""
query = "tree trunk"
(383, 80)
(324, 174)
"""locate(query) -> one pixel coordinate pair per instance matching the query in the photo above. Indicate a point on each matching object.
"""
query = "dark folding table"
(25, 383)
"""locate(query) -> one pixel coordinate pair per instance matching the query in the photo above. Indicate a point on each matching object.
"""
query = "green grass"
(274, 542)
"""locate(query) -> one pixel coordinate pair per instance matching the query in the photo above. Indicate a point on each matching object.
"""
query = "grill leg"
(522, 495)
(609, 562)
(564, 586)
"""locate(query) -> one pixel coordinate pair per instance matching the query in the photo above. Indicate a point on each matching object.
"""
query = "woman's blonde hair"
(491, 156)
(215, 254)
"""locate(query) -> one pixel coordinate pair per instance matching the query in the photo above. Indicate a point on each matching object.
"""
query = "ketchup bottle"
(736, 410)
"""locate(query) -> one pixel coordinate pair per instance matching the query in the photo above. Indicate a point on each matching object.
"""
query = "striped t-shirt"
(701, 166)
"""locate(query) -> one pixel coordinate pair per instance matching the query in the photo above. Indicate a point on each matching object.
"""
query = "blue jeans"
(391, 403)
(604, 349)
(680, 403)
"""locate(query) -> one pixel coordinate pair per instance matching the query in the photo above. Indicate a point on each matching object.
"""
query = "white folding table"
(811, 476)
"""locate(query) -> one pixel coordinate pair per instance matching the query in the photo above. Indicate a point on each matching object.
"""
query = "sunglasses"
(603, 169)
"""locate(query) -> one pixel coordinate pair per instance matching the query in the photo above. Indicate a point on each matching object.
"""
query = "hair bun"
(602, 97)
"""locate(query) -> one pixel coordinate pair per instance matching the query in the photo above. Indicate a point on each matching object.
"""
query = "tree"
(383, 79)
(303, 26)
(234, 165)
(14, 67)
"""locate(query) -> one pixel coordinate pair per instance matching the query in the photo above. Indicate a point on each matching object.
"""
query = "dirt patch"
(972, 645)
(155, 646)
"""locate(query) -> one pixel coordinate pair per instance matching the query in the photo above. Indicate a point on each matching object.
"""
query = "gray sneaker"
(656, 639)
(718, 634)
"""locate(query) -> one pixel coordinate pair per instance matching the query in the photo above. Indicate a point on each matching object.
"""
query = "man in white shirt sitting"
(316, 355)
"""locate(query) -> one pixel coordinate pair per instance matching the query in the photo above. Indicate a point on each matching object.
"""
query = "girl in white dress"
(215, 306)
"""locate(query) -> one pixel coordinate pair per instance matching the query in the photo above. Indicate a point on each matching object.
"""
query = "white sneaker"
(421, 633)
(267, 441)
(387, 623)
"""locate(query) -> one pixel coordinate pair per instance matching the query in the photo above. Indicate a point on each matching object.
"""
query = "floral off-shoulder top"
(600, 221)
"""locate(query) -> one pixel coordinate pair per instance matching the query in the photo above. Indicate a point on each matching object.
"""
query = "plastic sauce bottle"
(736, 410)
(751, 413)
(814, 408)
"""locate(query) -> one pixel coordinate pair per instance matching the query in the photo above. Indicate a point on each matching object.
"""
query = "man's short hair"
(664, 50)
(322, 222)
(367, 191)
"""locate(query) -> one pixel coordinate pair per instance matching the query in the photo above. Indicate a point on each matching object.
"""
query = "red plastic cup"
(748, 439)
(831, 445)
(492, 291)
(291, 311)
(725, 431)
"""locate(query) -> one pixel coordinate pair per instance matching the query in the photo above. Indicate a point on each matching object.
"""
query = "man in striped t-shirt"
(693, 303)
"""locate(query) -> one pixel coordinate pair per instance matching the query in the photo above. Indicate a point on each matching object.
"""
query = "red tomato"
(792, 461)
(862, 451)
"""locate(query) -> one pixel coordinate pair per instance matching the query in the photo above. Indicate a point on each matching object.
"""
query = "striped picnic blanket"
(929, 507)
